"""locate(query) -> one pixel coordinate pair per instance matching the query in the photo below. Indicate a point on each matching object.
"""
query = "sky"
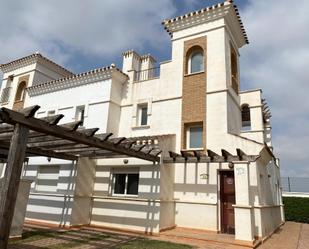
(82, 35)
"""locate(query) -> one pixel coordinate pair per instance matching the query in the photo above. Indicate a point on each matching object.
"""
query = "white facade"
(138, 102)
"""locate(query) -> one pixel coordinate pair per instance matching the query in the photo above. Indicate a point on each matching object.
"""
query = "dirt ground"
(292, 235)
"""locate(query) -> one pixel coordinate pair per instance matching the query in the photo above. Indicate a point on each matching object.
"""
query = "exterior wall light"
(204, 176)
(125, 161)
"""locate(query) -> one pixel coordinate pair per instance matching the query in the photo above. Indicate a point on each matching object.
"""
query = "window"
(126, 183)
(245, 117)
(196, 62)
(195, 137)
(80, 113)
(143, 114)
(20, 93)
(234, 70)
(47, 179)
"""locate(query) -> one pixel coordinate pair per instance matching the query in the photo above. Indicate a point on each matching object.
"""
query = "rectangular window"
(143, 114)
(126, 183)
(195, 137)
(234, 69)
(120, 184)
(80, 114)
(47, 180)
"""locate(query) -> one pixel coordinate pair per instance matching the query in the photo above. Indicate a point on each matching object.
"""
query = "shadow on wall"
(140, 212)
(196, 179)
(51, 196)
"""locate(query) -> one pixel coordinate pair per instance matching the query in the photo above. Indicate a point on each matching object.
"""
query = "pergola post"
(10, 182)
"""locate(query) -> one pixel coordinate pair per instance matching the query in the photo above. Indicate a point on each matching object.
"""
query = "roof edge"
(35, 56)
(166, 22)
(112, 68)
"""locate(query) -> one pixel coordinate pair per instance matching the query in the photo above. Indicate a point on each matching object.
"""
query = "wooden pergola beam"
(53, 142)
(37, 125)
(45, 131)
(54, 119)
(41, 152)
(174, 155)
(10, 183)
(214, 156)
(228, 156)
(186, 154)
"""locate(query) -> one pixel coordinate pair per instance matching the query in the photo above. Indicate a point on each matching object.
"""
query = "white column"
(84, 184)
(244, 227)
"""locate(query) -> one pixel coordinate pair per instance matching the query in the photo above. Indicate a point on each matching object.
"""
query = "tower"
(205, 47)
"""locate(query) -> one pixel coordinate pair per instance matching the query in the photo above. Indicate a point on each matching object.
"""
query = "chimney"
(131, 61)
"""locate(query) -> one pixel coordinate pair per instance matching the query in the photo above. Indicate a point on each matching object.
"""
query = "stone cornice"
(202, 16)
(75, 80)
(31, 59)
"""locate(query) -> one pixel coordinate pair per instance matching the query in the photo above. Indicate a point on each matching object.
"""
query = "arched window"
(195, 60)
(245, 117)
(20, 93)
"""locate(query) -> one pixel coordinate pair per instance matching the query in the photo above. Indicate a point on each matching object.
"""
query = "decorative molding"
(254, 106)
(196, 202)
(31, 59)
(202, 16)
(249, 91)
(75, 80)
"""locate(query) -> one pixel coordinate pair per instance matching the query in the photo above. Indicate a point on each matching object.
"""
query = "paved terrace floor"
(290, 236)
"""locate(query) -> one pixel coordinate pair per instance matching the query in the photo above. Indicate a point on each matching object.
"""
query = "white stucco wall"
(95, 97)
(140, 213)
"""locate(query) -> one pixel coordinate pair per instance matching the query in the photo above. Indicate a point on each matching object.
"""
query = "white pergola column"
(84, 184)
(244, 227)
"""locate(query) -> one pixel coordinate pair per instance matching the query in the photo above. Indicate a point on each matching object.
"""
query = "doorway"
(227, 200)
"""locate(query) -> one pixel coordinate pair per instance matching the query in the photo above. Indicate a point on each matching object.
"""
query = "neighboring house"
(191, 103)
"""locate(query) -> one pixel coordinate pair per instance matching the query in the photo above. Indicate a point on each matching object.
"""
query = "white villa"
(218, 171)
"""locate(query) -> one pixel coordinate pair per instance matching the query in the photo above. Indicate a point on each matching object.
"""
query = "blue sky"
(83, 35)
(162, 53)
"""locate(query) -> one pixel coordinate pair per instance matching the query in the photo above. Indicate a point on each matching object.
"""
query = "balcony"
(5, 96)
(147, 74)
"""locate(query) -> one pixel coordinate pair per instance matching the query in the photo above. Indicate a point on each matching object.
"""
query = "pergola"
(22, 135)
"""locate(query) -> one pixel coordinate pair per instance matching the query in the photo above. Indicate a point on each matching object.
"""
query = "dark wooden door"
(227, 194)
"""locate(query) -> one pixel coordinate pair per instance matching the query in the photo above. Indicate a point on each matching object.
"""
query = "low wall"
(267, 220)
(296, 194)
(132, 214)
(50, 208)
(196, 215)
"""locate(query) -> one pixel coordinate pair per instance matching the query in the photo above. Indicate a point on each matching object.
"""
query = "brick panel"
(193, 91)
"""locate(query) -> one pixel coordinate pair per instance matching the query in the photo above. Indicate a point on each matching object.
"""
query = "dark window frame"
(245, 117)
(128, 186)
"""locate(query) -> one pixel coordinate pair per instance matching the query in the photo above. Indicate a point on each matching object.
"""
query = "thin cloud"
(277, 61)
(97, 28)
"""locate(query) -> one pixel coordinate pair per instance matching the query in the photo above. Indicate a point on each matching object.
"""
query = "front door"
(227, 194)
